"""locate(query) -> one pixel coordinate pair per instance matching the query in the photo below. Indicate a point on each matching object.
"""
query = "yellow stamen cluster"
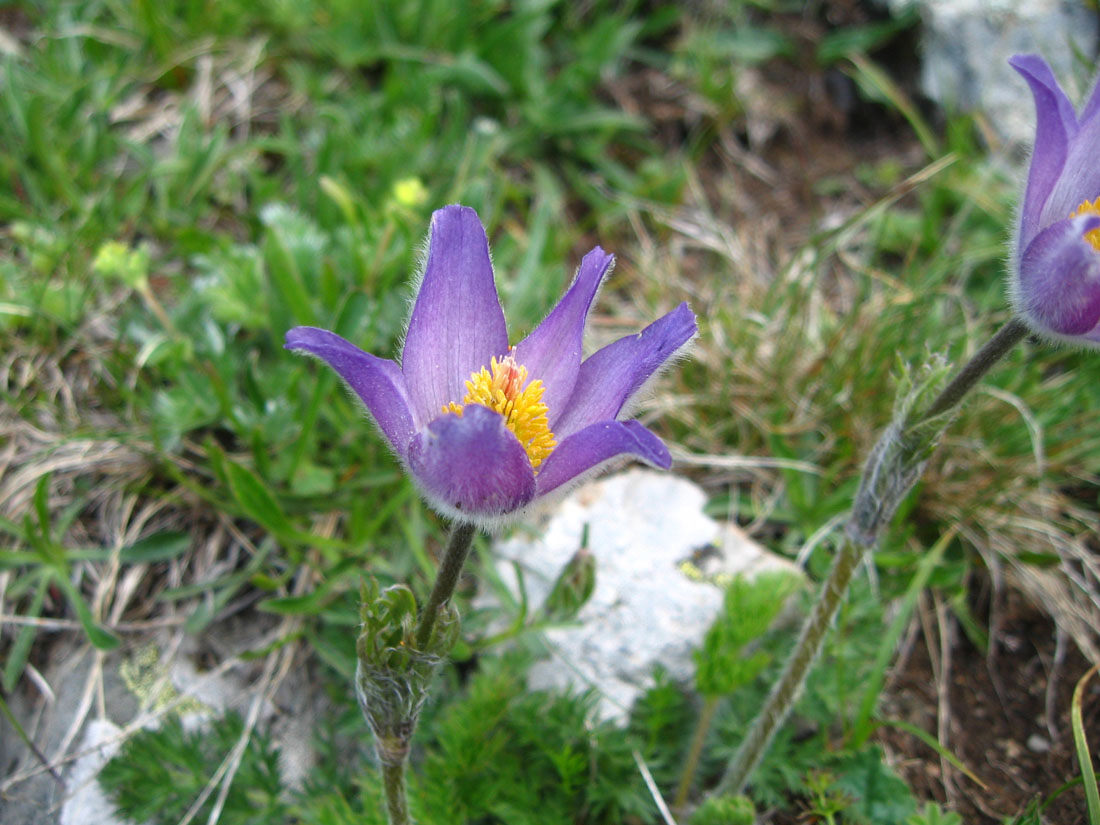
(1090, 208)
(500, 388)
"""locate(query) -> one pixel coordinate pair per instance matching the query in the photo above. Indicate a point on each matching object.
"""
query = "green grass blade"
(21, 647)
(100, 637)
(1084, 758)
(934, 744)
(158, 547)
(877, 84)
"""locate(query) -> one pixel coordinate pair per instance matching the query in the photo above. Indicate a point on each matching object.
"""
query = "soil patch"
(1007, 717)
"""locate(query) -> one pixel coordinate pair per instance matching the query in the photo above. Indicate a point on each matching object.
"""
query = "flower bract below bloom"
(486, 429)
(1056, 287)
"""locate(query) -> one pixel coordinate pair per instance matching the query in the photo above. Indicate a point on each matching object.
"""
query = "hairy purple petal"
(377, 381)
(552, 352)
(472, 466)
(457, 324)
(1055, 126)
(608, 379)
(597, 444)
(1059, 279)
(1080, 179)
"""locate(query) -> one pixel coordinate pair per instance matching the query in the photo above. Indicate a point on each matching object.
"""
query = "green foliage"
(749, 607)
(160, 773)
(933, 814)
(1034, 812)
(809, 758)
(47, 566)
(725, 810)
(661, 723)
(501, 748)
(496, 753)
(878, 796)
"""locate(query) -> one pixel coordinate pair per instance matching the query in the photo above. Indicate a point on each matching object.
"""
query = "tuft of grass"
(800, 365)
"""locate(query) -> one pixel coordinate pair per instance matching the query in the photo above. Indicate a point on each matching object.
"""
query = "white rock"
(649, 606)
(85, 802)
(966, 45)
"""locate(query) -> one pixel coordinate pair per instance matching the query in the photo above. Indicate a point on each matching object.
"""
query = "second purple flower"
(485, 429)
(1057, 263)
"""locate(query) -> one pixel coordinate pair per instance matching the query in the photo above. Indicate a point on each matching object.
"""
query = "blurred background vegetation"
(182, 181)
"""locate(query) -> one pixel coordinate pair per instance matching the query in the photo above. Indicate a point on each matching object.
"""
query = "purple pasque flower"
(1056, 287)
(486, 429)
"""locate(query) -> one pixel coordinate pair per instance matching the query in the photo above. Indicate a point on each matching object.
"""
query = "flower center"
(500, 388)
(1090, 208)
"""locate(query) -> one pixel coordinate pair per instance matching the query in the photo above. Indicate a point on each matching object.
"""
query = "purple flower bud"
(1056, 283)
(487, 430)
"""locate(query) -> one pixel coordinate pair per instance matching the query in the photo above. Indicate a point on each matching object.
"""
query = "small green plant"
(722, 664)
(933, 814)
(159, 775)
(725, 810)
(824, 801)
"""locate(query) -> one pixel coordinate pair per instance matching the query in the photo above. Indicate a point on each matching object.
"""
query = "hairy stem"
(786, 690)
(397, 797)
(782, 698)
(706, 716)
(995, 349)
(393, 751)
(458, 548)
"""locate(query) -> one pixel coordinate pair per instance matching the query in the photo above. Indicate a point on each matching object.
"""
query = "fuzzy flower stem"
(397, 801)
(393, 752)
(812, 637)
(786, 690)
(702, 727)
(458, 548)
(994, 350)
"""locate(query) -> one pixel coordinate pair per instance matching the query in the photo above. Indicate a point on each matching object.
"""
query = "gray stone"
(1038, 744)
(85, 802)
(659, 562)
(966, 45)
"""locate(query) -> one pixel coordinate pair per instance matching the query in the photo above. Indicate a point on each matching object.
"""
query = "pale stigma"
(1090, 208)
(500, 387)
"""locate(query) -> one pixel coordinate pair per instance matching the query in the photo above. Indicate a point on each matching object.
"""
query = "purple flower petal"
(586, 451)
(1036, 70)
(608, 379)
(1058, 288)
(472, 466)
(1080, 178)
(457, 324)
(1055, 126)
(377, 381)
(552, 352)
